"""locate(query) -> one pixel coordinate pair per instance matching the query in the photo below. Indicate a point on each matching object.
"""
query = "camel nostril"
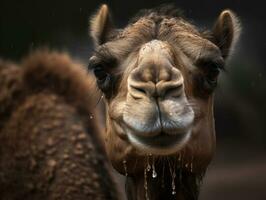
(137, 92)
(138, 89)
(174, 91)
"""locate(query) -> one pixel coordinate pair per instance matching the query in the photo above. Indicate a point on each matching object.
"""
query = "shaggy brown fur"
(50, 146)
(158, 76)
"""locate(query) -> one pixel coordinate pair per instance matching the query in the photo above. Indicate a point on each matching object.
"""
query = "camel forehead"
(166, 38)
(155, 47)
(177, 32)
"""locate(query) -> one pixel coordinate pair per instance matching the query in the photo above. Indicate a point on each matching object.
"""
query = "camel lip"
(161, 140)
(156, 142)
(151, 132)
(164, 125)
(160, 144)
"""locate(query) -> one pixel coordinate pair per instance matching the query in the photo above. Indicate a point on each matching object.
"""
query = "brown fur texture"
(158, 76)
(50, 142)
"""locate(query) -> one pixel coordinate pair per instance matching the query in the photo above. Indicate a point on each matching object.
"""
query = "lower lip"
(160, 141)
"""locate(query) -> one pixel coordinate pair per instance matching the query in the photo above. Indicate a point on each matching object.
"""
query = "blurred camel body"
(50, 142)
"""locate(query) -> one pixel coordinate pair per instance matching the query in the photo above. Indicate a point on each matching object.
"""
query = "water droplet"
(148, 164)
(125, 167)
(154, 174)
(173, 183)
(148, 167)
(191, 164)
(173, 175)
(146, 185)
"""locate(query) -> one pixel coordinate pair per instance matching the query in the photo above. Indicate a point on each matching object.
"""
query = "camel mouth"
(158, 134)
(158, 142)
(162, 144)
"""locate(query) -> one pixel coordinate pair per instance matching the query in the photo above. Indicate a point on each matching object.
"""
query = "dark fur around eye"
(212, 74)
(209, 64)
(104, 79)
(103, 58)
(209, 79)
(100, 74)
(207, 76)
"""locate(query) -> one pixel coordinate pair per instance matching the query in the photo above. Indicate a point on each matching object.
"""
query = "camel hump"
(46, 71)
(50, 140)
(58, 73)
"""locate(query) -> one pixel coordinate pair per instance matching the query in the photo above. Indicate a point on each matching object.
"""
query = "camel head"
(158, 76)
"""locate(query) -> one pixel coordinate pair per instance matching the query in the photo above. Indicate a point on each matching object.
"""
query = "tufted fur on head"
(162, 11)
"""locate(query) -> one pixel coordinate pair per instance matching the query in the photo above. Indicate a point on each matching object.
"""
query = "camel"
(158, 76)
(50, 140)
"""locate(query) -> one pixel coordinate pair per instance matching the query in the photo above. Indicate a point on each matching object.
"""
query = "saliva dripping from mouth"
(174, 165)
(125, 167)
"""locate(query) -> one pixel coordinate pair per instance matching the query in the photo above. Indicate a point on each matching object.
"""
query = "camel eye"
(100, 74)
(103, 78)
(210, 78)
(212, 75)
(207, 77)
(98, 69)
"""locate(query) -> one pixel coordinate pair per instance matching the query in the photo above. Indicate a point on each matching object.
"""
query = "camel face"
(158, 76)
(156, 116)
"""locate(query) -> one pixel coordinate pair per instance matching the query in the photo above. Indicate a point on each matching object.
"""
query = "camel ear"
(226, 32)
(101, 25)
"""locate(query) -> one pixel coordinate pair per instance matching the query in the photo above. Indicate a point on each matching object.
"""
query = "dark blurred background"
(238, 170)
